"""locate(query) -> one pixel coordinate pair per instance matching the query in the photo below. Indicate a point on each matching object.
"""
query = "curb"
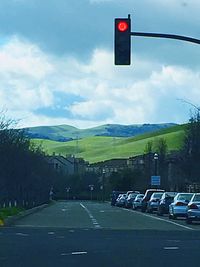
(12, 219)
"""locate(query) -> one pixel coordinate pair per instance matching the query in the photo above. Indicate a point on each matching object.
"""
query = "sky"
(57, 62)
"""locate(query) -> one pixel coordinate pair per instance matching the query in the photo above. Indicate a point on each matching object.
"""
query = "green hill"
(99, 148)
(66, 132)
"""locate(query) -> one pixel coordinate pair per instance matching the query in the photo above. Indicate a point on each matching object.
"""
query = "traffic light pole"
(122, 48)
(169, 36)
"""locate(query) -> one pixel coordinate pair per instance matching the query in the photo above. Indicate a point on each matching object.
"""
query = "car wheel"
(170, 216)
(159, 213)
(188, 221)
(143, 209)
(174, 217)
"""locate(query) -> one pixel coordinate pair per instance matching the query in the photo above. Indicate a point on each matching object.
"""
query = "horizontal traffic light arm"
(169, 36)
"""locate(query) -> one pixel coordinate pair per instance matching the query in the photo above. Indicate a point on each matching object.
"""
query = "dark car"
(129, 200)
(120, 202)
(147, 196)
(166, 199)
(114, 196)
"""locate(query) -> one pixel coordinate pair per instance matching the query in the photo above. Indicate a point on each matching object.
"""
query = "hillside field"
(100, 148)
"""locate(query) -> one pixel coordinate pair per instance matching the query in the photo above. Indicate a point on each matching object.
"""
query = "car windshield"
(196, 198)
(139, 196)
(157, 195)
(169, 194)
(184, 197)
(133, 195)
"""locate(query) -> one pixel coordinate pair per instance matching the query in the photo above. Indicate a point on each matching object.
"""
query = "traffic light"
(123, 41)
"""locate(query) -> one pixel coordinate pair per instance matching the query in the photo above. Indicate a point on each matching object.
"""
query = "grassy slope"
(67, 131)
(100, 148)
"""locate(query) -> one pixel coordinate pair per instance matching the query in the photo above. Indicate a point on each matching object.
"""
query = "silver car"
(154, 201)
(193, 209)
(178, 208)
(137, 203)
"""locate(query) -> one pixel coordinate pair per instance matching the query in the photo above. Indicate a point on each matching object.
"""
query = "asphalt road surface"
(80, 234)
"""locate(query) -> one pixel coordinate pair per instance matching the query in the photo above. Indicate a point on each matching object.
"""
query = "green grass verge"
(6, 212)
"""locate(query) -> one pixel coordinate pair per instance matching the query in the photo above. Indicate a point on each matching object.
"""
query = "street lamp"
(91, 186)
(68, 189)
(156, 163)
(103, 184)
(51, 194)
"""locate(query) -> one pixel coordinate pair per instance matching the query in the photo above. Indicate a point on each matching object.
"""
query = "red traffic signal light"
(122, 26)
(123, 41)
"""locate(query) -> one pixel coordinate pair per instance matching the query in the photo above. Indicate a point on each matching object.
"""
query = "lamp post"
(91, 186)
(51, 194)
(156, 163)
(68, 189)
(103, 184)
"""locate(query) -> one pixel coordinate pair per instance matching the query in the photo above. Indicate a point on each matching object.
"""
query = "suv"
(147, 196)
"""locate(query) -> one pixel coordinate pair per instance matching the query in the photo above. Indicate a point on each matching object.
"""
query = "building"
(68, 165)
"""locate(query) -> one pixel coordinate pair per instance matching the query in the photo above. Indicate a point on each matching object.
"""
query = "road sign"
(155, 180)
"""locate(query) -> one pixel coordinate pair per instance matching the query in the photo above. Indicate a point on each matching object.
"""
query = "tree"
(191, 148)
(25, 175)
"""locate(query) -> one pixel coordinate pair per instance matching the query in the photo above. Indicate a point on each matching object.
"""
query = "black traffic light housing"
(123, 41)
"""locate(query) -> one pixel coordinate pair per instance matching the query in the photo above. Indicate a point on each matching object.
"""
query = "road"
(88, 234)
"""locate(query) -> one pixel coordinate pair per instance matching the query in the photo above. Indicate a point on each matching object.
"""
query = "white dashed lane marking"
(171, 248)
(74, 253)
(94, 221)
(21, 234)
(51, 233)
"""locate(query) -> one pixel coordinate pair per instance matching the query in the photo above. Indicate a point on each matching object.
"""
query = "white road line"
(171, 248)
(51, 233)
(79, 253)
(21, 234)
(159, 219)
(74, 253)
(94, 221)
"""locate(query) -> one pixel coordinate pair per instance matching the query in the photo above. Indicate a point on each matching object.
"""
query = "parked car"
(153, 202)
(193, 209)
(121, 200)
(178, 207)
(114, 196)
(129, 200)
(166, 199)
(137, 202)
(147, 197)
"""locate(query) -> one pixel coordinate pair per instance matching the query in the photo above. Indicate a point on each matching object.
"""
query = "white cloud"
(144, 92)
(23, 58)
(23, 72)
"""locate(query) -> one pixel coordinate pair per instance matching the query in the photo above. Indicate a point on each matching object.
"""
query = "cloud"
(23, 72)
(40, 88)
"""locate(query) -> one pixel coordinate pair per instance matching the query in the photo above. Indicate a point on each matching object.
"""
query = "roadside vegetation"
(25, 176)
(6, 212)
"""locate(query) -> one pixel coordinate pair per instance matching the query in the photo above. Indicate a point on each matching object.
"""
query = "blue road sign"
(155, 180)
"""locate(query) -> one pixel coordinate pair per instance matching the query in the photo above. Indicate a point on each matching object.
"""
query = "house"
(68, 165)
